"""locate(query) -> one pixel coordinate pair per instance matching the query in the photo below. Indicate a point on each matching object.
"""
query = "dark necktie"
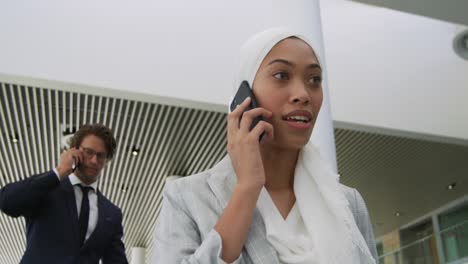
(84, 213)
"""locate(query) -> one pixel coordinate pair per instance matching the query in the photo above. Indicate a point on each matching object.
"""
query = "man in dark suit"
(68, 220)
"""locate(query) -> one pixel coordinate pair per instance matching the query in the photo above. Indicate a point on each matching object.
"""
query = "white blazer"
(185, 233)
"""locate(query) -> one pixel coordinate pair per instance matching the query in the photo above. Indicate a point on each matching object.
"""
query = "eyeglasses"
(89, 153)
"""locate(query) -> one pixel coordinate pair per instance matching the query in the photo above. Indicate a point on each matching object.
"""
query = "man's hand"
(67, 159)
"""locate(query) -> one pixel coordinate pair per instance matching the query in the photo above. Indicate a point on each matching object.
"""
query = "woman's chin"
(289, 143)
(299, 145)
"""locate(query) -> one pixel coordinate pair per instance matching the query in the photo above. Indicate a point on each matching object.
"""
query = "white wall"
(395, 70)
(385, 68)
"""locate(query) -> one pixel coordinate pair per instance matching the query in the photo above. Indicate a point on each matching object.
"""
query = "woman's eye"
(281, 76)
(315, 80)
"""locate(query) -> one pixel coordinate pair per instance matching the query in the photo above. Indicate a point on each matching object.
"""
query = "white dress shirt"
(92, 197)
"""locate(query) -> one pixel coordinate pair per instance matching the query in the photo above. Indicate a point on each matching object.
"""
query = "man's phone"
(243, 92)
(74, 165)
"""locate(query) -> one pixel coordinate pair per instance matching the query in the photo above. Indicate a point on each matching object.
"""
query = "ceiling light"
(14, 138)
(460, 44)
(135, 151)
(451, 186)
(397, 213)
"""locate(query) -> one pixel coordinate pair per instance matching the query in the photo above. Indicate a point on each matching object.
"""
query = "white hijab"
(333, 236)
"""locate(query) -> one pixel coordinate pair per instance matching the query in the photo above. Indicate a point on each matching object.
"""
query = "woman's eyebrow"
(283, 61)
(314, 65)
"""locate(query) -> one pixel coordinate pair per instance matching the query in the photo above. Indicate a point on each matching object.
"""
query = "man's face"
(94, 159)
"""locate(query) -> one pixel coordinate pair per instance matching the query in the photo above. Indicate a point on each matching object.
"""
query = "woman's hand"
(244, 149)
(244, 146)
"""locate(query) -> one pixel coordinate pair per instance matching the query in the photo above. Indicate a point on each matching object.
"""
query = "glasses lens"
(89, 153)
(101, 156)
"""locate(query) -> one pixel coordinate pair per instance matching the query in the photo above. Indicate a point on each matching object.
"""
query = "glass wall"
(454, 233)
(418, 243)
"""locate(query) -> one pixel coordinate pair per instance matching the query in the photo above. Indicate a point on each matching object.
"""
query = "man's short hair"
(99, 131)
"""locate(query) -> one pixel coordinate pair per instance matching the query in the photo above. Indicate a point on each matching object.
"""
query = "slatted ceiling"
(198, 146)
(144, 155)
(121, 159)
(218, 153)
(111, 181)
(102, 183)
(187, 149)
(6, 142)
(37, 115)
(31, 132)
(361, 164)
(402, 174)
(216, 128)
(12, 249)
(182, 132)
(178, 148)
(192, 143)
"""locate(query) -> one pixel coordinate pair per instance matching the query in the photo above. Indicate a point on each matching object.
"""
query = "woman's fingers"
(259, 129)
(249, 116)
(234, 117)
(240, 122)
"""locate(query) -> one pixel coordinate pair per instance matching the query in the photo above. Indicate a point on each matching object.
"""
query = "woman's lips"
(299, 119)
(298, 125)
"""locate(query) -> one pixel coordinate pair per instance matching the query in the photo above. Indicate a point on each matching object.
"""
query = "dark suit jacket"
(49, 207)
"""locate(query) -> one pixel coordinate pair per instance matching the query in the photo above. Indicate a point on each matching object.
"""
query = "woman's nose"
(299, 93)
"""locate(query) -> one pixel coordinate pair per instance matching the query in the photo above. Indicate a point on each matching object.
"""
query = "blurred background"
(160, 73)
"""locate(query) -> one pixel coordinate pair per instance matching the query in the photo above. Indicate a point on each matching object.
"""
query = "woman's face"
(289, 84)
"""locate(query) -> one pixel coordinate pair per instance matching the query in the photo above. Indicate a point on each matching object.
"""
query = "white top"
(293, 223)
(92, 197)
(331, 235)
(289, 237)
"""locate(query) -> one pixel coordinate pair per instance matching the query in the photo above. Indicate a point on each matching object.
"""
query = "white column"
(138, 255)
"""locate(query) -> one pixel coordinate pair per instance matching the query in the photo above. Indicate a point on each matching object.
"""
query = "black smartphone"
(74, 165)
(243, 92)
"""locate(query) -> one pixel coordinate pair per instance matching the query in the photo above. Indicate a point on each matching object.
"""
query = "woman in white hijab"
(274, 200)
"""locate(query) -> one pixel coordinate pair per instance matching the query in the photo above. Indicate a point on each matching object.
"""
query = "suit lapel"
(222, 182)
(70, 202)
